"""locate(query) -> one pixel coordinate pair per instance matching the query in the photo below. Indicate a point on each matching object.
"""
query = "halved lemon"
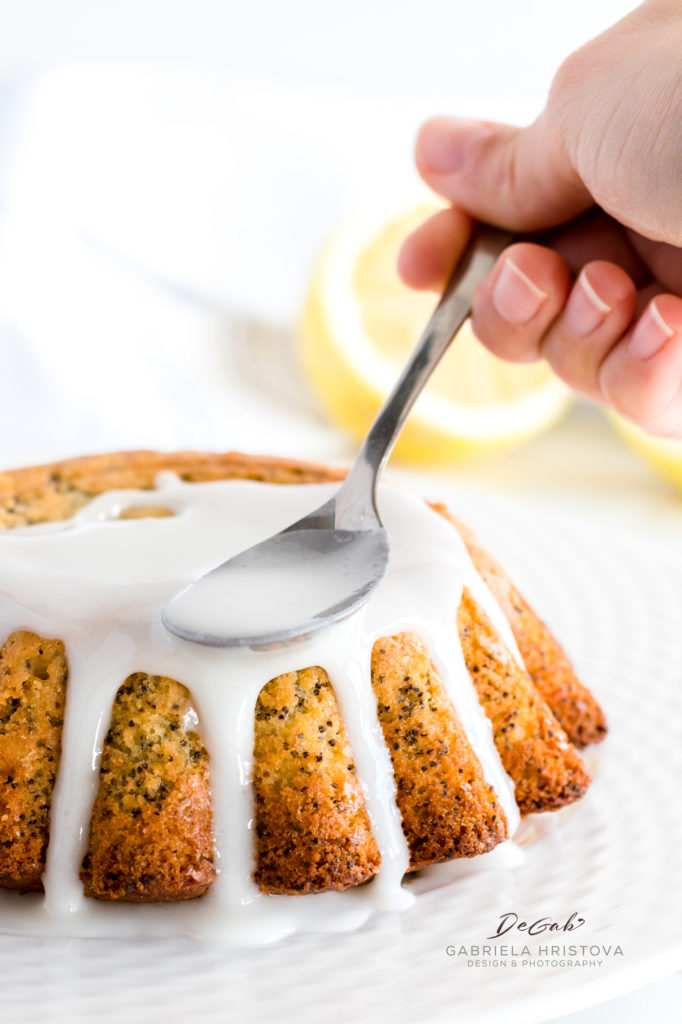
(663, 453)
(358, 327)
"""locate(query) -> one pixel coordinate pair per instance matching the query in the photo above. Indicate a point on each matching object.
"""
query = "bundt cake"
(136, 767)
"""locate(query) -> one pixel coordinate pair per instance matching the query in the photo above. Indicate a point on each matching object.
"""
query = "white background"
(167, 165)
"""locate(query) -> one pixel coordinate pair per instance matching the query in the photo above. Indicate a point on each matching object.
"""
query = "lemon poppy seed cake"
(139, 768)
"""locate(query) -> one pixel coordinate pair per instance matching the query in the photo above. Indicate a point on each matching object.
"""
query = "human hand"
(598, 293)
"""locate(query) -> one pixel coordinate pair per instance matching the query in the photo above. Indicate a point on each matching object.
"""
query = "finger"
(642, 376)
(645, 295)
(427, 256)
(599, 310)
(516, 303)
(596, 236)
(518, 178)
(664, 260)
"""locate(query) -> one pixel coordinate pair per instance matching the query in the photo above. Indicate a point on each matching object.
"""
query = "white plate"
(614, 859)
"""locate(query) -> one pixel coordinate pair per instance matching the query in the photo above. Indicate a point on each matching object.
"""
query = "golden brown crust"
(312, 828)
(447, 807)
(33, 674)
(151, 833)
(56, 491)
(535, 751)
(570, 702)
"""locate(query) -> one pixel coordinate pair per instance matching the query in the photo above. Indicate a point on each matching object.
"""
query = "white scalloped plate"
(615, 858)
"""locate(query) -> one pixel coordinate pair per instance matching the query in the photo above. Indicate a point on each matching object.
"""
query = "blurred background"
(170, 174)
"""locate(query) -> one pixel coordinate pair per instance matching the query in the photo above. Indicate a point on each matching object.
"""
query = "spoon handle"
(355, 502)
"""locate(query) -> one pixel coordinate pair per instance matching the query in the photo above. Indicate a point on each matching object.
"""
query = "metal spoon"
(341, 550)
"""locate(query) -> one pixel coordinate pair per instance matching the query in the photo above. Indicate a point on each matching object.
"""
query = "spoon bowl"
(282, 590)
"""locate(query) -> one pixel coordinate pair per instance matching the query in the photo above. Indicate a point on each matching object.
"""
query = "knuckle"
(568, 77)
(569, 85)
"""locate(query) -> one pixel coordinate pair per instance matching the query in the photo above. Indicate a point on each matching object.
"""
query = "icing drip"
(99, 581)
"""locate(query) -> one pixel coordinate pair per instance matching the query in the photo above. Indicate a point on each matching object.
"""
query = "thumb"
(517, 178)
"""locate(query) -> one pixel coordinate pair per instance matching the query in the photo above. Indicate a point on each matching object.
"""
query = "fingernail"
(446, 149)
(650, 334)
(515, 298)
(585, 310)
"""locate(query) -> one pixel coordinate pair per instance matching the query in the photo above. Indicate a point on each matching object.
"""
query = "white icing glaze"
(266, 595)
(99, 582)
